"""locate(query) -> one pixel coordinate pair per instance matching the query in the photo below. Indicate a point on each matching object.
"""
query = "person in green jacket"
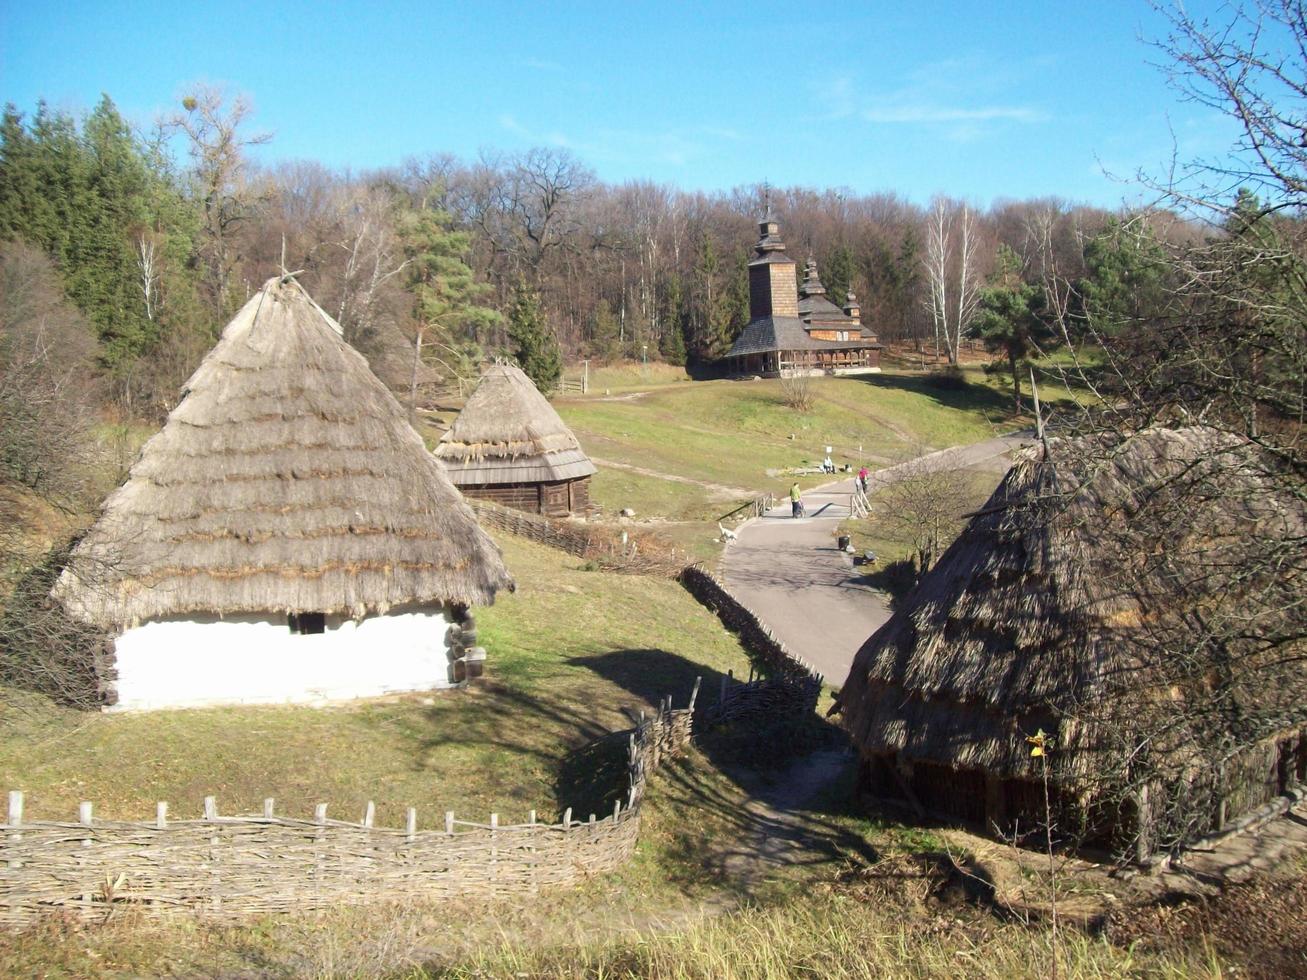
(796, 501)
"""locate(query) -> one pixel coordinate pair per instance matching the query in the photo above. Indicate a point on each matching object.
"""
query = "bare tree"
(1250, 66)
(212, 124)
(952, 273)
(47, 381)
(924, 503)
(939, 233)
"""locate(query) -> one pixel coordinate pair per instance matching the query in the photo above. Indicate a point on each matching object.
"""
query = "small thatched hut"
(508, 445)
(1137, 600)
(286, 536)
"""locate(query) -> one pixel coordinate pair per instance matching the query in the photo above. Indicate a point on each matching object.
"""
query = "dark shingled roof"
(772, 258)
(786, 333)
(818, 307)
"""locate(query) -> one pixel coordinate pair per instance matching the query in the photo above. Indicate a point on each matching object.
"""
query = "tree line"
(158, 236)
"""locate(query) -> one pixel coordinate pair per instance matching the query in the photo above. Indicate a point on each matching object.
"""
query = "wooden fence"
(787, 685)
(236, 866)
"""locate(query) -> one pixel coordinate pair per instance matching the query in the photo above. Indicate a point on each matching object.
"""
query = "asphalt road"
(792, 576)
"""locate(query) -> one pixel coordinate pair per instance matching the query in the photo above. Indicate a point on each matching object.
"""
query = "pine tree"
(1008, 318)
(534, 345)
(447, 311)
(837, 274)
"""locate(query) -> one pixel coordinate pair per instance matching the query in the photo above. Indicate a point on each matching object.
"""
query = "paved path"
(792, 576)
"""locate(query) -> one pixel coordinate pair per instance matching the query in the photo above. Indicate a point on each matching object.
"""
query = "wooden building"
(286, 537)
(794, 329)
(1081, 601)
(508, 445)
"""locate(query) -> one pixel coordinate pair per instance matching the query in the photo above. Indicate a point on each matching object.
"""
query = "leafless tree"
(1247, 62)
(952, 273)
(212, 124)
(47, 380)
(796, 392)
(924, 504)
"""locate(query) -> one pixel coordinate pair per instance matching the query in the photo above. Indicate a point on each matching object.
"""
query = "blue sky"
(976, 100)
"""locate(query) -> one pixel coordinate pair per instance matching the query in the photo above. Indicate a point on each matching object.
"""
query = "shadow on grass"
(787, 787)
(896, 579)
(963, 397)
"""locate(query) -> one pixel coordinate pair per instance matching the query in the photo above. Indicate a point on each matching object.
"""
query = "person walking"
(862, 478)
(796, 501)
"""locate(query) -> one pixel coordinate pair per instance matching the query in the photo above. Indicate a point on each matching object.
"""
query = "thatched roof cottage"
(1139, 603)
(508, 445)
(286, 536)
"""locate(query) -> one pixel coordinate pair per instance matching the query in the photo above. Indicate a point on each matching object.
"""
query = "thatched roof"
(286, 480)
(509, 433)
(1103, 583)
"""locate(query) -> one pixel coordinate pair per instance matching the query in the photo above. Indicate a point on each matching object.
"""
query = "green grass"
(732, 432)
(628, 375)
(567, 652)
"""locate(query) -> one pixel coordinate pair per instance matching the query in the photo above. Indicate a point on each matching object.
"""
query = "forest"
(154, 237)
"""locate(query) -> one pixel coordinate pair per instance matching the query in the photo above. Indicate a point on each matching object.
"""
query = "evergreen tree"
(1008, 318)
(1128, 280)
(107, 211)
(837, 274)
(534, 345)
(671, 345)
(447, 311)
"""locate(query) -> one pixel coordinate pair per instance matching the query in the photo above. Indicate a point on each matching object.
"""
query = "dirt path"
(719, 491)
(784, 832)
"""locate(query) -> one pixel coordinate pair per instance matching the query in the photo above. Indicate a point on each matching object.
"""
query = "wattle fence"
(237, 866)
(231, 867)
(787, 686)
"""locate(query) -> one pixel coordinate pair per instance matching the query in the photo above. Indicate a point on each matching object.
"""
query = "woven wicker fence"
(232, 867)
(787, 685)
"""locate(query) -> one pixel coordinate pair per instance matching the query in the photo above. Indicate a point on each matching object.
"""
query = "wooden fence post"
(161, 815)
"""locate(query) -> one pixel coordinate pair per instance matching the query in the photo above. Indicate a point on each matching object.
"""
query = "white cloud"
(960, 99)
(929, 114)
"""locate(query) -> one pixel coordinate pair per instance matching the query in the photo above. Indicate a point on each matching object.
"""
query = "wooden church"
(795, 330)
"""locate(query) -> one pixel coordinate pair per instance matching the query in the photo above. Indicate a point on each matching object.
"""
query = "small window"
(307, 622)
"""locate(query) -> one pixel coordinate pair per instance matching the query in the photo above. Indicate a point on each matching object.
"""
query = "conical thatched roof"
(286, 480)
(1102, 585)
(509, 433)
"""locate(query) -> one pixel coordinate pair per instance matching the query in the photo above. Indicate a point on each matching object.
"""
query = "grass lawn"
(568, 650)
(628, 375)
(733, 432)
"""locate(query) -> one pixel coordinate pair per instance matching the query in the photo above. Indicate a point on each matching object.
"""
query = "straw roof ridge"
(508, 432)
(1050, 608)
(287, 479)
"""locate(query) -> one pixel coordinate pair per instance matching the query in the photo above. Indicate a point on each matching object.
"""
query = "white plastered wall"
(204, 660)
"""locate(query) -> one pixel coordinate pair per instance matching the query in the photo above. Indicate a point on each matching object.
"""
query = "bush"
(797, 394)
